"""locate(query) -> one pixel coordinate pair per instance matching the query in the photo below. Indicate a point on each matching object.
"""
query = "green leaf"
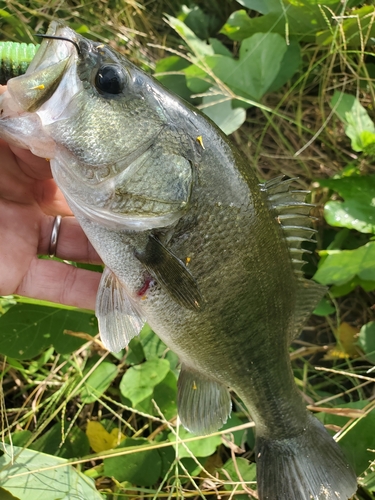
(288, 66)
(355, 29)
(153, 346)
(19, 438)
(358, 210)
(366, 340)
(261, 6)
(198, 47)
(239, 471)
(239, 437)
(359, 126)
(222, 113)
(142, 468)
(139, 381)
(258, 65)
(165, 396)
(135, 353)
(27, 329)
(369, 480)
(74, 444)
(197, 79)
(62, 483)
(98, 382)
(342, 104)
(173, 81)
(341, 266)
(203, 447)
(302, 19)
(360, 129)
(358, 442)
(324, 308)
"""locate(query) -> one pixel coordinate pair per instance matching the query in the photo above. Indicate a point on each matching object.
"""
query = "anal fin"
(309, 294)
(204, 405)
(118, 318)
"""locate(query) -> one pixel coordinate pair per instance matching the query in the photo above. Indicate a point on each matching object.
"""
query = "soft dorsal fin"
(292, 213)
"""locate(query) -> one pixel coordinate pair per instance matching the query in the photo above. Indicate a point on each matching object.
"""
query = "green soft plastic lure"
(15, 59)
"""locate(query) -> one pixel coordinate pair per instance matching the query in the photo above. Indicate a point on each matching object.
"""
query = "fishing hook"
(53, 37)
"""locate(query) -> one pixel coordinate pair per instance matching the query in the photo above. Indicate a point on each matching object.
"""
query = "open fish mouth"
(52, 64)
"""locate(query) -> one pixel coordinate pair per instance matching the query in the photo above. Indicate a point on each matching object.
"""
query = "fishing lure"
(15, 59)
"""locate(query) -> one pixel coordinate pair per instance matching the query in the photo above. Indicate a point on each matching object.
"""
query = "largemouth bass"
(191, 242)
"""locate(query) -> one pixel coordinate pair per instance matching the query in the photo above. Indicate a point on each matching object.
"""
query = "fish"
(192, 243)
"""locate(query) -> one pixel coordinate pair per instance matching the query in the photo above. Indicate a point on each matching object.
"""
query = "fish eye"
(110, 79)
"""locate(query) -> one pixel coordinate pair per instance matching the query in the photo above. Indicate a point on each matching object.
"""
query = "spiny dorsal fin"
(292, 213)
(293, 216)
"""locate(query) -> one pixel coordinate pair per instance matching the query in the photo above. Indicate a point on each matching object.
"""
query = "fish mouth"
(55, 56)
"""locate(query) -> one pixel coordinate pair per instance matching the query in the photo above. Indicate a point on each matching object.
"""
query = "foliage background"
(293, 83)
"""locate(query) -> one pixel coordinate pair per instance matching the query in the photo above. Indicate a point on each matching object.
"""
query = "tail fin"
(309, 466)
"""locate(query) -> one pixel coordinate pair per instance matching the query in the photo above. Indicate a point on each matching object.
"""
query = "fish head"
(89, 98)
(104, 117)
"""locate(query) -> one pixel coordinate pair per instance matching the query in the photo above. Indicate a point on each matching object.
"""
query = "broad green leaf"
(302, 19)
(56, 482)
(203, 447)
(222, 113)
(153, 346)
(166, 72)
(359, 126)
(20, 438)
(258, 65)
(366, 340)
(355, 29)
(239, 437)
(220, 48)
(238, 471)
(139, 381)
(142, 468)
(351, 214)
(27, 329)
(98, 382)
(341, 266)
(165, 396)
(135, 353)
(324, 308)
(368, 480)
(342, 104)
(262, 6)
(358, 209)
(360, 439)
(74, 444)
(349, 286)
(288, 66)
(360, 129)
(198, 47)
(197, 79)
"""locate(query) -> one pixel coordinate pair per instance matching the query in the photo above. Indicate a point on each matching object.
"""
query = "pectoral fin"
(171, 273)
(119, 320)
(204, 405)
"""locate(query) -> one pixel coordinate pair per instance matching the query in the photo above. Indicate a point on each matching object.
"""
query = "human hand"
(29, 202)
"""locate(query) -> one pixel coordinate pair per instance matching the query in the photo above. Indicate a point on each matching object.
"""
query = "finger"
(72, 243)
(60, 283)
(50, 198)
(33, 166)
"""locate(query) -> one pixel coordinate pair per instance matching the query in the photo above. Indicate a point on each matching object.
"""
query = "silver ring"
(54, 236)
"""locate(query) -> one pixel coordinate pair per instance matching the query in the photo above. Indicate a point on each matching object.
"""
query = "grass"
(300, 138)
